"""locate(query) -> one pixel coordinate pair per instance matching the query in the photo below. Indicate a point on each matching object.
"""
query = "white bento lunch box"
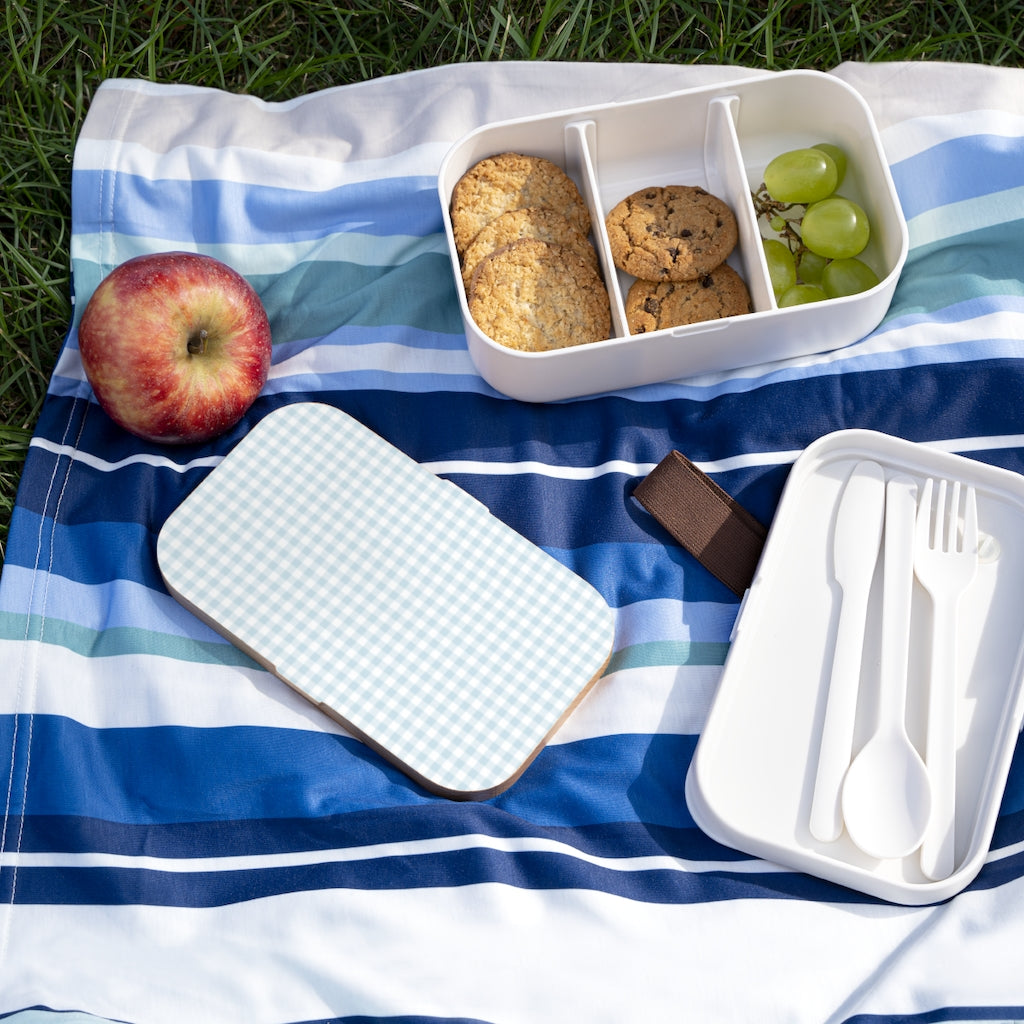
(719, 138)
(753, 776)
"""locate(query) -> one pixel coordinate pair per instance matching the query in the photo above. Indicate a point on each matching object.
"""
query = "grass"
(54, 53)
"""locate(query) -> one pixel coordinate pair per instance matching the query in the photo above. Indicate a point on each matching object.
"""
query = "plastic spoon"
(887, 794)
(856, 538)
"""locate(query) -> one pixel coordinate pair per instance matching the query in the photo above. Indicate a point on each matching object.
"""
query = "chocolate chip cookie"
(671, 233)
(653, 306)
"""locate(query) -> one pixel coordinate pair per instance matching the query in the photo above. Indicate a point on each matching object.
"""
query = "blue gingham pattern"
(391, 597)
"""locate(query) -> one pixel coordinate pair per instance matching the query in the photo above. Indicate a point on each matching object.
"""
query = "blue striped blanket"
(185, 839)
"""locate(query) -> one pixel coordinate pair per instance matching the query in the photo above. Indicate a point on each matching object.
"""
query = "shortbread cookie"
(510, 181)
(529, 222)
(671, 233)
(534, 296)
(651, 306)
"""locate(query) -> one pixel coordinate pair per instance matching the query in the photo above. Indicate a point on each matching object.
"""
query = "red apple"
(176, 346)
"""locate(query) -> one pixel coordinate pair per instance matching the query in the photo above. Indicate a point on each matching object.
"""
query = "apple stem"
(197, 342)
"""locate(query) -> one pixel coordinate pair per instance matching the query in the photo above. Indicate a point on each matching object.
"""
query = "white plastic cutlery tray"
(752, 778)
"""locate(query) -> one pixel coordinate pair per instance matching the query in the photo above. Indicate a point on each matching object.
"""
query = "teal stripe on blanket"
(128, 640)
(119, 640)
(313, 299)
(975, 265)
(668, 653)
(120, 603)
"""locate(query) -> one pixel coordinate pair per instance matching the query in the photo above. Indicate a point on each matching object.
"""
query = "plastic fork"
(945, 562)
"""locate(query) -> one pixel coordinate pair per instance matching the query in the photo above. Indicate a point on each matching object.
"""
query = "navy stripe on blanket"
(259, 770)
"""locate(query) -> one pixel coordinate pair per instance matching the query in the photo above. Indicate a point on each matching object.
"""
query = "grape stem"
(773, 211)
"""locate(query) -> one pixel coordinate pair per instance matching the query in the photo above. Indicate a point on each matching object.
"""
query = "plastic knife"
(856, 541)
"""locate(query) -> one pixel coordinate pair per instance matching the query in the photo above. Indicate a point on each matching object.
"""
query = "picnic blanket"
(185, 839)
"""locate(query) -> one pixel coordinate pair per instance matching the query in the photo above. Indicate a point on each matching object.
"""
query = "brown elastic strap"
(722, 535)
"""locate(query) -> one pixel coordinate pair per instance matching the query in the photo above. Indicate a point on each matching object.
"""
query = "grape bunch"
(818, 233)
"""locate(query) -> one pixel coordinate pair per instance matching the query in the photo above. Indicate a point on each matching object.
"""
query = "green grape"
(781, 265)
(838, 158)
(847, 277)
(801, 176)
(835, 228)
(800, 294)
(778, 223)
(810, 267)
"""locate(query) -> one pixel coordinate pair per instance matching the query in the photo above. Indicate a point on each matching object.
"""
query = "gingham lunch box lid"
(389, 597)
